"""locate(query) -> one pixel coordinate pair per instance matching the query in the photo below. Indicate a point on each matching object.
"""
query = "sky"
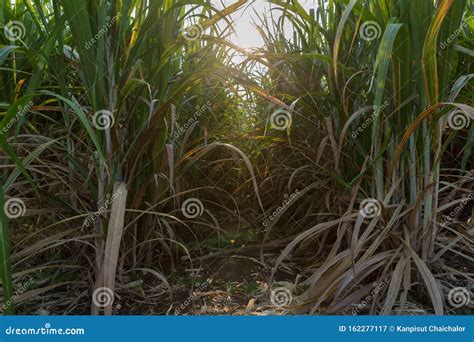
(246, 35)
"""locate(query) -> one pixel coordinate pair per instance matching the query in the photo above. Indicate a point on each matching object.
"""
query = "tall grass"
(397, 84)
(109, 82)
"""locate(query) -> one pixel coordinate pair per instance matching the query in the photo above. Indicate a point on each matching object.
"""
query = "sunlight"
(245, 34)
(245, 21)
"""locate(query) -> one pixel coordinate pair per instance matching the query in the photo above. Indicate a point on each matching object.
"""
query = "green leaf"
(5, 263)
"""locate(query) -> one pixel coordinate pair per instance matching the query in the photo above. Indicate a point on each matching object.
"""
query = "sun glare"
(245, 21)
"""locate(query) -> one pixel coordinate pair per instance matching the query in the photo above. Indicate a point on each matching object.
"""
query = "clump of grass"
(396, 82)
(110, 82)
